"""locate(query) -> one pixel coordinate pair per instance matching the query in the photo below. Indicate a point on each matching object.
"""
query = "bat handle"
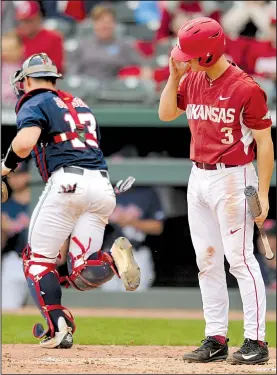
(268, 252)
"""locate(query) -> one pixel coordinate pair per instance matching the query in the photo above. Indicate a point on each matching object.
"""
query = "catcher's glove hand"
(125, 185)
(4, 192)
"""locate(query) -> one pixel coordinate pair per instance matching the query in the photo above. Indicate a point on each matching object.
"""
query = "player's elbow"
(166, 116)
(21, 149)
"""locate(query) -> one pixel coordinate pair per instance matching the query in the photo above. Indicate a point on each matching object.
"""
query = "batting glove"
(125, 185)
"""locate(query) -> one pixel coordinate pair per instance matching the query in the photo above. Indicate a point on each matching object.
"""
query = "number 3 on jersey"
(89, 121)
(229, 138)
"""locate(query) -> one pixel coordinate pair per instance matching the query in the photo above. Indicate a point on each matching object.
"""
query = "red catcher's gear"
(201, 38)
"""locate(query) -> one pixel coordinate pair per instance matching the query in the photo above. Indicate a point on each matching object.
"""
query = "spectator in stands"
(261, 59)
(35, 37)
(147, 13)
(15, 223)
(268, 267)
(78, 10)
(8, 22)
(247, 18)
(12, 58)
(192, 9)
(138, 213)
(103, 55)
(169, 9)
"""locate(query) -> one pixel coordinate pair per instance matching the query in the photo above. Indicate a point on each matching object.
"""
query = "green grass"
(121, 331)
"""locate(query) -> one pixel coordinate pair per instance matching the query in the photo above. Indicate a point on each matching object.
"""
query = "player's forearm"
(168, 109)
(265, 163)
(152, 227)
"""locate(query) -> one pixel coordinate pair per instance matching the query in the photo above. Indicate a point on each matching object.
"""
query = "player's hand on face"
(177, 69)
(259, 220)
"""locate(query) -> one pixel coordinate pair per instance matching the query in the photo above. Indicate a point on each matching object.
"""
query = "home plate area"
(83, 359)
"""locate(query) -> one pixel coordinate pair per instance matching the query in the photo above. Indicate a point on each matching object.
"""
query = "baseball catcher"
(62, 134)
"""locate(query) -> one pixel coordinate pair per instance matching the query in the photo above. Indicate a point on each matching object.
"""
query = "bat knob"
(249, 191)
(272, 257)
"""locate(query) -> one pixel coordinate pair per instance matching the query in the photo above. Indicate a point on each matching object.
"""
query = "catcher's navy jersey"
(47, 110)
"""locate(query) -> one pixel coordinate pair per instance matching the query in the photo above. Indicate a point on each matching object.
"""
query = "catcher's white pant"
(221, 224)
(83, 214)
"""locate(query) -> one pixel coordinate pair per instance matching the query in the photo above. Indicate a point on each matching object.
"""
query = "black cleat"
(211, 350)
(67, 342)
(251, 353)
(52, 343)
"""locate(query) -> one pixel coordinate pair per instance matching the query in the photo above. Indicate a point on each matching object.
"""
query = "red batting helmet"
(201, 38)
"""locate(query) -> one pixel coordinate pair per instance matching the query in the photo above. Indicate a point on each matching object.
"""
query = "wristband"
(12, 160)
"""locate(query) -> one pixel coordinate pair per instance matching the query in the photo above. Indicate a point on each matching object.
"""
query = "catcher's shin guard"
(44, 284)
(86, 274)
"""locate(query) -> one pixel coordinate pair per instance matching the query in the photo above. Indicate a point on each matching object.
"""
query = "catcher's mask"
(36, 66)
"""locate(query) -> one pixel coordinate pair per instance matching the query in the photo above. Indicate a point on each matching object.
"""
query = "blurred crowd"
(119, 40)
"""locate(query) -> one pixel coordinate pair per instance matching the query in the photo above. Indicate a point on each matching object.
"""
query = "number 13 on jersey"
(88, 120)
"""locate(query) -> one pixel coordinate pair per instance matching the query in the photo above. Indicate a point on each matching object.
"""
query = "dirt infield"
(140, 313)
(84, 359)
(31, 359)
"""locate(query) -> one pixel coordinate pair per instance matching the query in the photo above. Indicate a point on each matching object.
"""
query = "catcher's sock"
(220, 339)
(52, 295)
(261, 343)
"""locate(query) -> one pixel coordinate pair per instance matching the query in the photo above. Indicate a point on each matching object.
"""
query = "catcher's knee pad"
(44, 284)
(92, 272)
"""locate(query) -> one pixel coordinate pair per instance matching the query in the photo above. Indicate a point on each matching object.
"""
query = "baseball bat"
(255, 209)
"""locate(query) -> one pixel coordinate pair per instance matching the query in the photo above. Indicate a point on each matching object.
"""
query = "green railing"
(148, 171)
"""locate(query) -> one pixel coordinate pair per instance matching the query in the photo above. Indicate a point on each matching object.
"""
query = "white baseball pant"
(83, 214)
(221, 224)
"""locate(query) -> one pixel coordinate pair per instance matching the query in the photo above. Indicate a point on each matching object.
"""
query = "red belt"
(211, 167)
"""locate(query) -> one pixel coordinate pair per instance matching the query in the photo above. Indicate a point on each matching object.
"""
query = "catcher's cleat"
(252, 352)
(126, 265)
(210, 351)
(62, 339)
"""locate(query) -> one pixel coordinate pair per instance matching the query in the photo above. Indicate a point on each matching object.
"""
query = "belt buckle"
(203, 165)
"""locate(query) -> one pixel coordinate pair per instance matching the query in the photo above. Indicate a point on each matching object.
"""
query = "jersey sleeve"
(31, 115)
(181, 95)
(256, 114)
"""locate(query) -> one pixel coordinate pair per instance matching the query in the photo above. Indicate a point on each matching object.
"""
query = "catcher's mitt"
(4, 192)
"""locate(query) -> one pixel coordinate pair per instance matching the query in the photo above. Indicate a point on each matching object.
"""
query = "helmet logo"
(44, 59)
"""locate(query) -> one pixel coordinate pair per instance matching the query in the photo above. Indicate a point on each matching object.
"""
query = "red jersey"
(262, 59)
(47, 41)
(221, 115)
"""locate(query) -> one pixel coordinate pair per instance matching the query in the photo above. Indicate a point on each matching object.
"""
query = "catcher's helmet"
(201, 38)
(36, 66)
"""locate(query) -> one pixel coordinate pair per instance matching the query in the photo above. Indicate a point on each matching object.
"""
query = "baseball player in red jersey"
(228, 117)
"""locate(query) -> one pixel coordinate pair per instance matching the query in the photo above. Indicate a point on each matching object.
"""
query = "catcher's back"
(70, 133)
